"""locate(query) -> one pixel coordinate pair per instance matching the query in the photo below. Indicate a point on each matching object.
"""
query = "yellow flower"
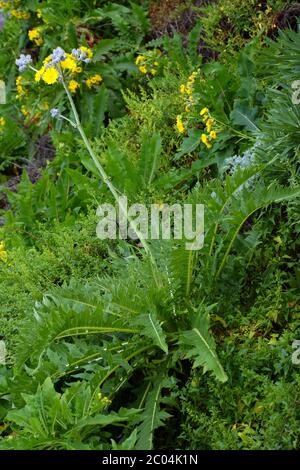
(209, 123)
(153, 71)
(39, 13)
(78, 70)
(143, 69)
(39, 74)
(204, 111)
(139, 59)
(94, 80)
(24, 111)
(192, 77)
(3, 252)
(35, 35)
(213, 134)
(21, 15)
(205, 141)
(50, 75)
(87, 51)
(20, 90)
(182, 89)
(73, 86)
(2, 121)
(47, 59)
(69, 63)
(19, 80)
(179, 125)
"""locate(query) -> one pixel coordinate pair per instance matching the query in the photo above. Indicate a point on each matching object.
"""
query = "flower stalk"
(103, 174)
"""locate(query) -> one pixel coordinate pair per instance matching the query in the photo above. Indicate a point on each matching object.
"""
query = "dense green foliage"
(108, 347)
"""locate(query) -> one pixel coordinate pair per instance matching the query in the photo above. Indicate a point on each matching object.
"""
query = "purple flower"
(58, 55)
(2, 21)
(55, 112)
(80, 55)
(76, 53)
(23, 62)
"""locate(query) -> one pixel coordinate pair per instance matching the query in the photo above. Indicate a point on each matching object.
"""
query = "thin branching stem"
(103, 174)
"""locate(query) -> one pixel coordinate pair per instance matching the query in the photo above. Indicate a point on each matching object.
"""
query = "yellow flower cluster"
(207, 138)
(145, 65)
(73, 86)
(21, 91)
(70, 64)
(20, 15)
(39, 15)
(2, 122)
(187, 91)
(179, 125)
(87, 51)
(24, 111)
(35, 36)
(189, 87)
(50, 75)
(3, 252)
(93, 81)
(11, 5)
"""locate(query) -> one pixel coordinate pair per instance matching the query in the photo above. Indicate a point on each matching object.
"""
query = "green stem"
(244, 136)
(103, 174)
(87, 330)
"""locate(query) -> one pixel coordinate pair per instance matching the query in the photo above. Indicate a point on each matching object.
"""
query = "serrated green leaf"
(199, 345)
(152, 417)
(153, 330)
